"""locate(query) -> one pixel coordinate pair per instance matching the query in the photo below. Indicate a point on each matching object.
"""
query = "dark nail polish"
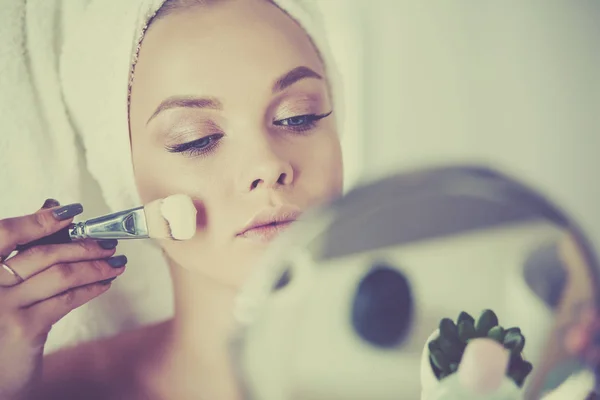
(67, 212)
(108, 244)
(49, 203)
(117, 261)
(107, 281)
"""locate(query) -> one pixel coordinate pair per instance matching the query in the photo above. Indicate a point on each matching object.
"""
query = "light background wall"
(512, 84)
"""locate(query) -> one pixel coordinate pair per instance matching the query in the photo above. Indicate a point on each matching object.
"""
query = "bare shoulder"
(97, 370)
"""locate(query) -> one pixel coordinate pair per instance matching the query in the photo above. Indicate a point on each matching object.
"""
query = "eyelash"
(198, 147)
(207, 144)
(310, 124)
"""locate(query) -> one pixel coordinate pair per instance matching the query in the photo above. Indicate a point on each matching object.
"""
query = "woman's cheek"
(326, 167)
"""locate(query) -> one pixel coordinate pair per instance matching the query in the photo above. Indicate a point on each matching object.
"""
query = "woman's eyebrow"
(282, 83)
(293, 76)
(186, 102)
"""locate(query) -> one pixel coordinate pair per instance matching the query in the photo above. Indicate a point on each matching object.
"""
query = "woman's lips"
(266, 233)
(268, 223)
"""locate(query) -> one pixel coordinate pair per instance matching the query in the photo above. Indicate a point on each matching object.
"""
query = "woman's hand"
(40, 285)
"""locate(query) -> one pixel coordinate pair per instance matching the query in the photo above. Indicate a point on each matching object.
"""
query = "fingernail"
(67, 212)
(107, 281)
(49, 203)
(108, 244)
(117, 261)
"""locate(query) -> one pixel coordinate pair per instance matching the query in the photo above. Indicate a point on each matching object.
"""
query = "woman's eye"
(301, 122)
(196, 147)
(295, 121)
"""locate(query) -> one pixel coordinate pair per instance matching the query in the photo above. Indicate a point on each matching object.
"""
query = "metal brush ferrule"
(128, 224)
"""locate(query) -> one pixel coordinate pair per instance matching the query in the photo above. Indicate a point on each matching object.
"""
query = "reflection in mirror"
(453, 283)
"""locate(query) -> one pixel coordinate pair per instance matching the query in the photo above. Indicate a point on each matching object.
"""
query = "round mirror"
(451, 283)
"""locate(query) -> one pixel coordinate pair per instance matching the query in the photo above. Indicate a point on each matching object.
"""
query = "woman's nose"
(265, 169)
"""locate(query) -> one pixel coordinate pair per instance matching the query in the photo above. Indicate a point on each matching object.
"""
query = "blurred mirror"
(450, 283)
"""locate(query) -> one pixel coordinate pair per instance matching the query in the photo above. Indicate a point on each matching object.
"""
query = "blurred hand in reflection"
(583, 339)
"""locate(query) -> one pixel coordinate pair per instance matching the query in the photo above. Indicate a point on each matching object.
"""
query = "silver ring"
(12, 272)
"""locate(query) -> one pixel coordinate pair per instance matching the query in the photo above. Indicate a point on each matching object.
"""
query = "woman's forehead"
(232, 58)
(214, 50)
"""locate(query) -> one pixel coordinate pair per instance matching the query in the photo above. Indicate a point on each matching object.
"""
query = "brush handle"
(58, 237)
(128, 224)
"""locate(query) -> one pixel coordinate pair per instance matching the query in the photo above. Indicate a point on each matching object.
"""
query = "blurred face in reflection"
(230, 105)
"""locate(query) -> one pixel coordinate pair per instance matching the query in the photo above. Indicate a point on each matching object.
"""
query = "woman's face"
(230, 105)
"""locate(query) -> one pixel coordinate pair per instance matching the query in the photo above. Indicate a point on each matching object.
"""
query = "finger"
(8, 276)
(46, 313)
(21, 230)
(36, 259)
(62, 277)
(61, 236)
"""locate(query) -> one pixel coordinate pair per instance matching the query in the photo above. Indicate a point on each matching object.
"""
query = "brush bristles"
(173, 217)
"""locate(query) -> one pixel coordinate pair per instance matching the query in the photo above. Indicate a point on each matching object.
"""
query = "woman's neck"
(195, 356)
(203, 314)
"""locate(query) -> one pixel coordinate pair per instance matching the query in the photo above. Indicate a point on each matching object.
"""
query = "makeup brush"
(172, 217)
